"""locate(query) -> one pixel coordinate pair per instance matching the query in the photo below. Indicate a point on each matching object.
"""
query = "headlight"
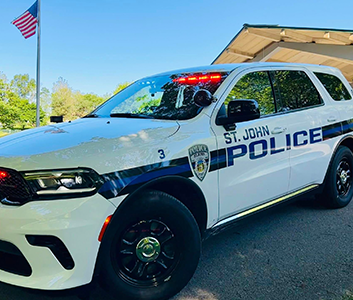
(63, 183)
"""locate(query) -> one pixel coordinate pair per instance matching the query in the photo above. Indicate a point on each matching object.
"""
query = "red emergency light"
(195, 79)
(4, 174)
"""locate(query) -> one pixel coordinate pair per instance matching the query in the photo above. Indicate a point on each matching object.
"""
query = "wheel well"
(185, 190)
(348, 142)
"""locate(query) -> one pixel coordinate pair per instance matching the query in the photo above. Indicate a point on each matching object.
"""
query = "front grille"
(12, 260)
(13, 187)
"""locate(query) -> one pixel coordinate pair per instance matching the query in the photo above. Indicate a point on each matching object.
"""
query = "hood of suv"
(103, 144)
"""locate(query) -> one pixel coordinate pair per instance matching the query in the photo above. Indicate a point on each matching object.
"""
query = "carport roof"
(273, 43)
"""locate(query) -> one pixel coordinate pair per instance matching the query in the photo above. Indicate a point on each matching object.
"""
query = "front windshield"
(162, 97)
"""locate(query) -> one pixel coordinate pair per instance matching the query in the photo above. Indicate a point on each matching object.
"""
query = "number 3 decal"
(161, 154)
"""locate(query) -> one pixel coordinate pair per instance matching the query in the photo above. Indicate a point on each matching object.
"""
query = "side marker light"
(104, 227)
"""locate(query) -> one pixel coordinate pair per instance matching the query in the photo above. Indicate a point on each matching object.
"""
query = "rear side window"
(294, 90)
(334, 86)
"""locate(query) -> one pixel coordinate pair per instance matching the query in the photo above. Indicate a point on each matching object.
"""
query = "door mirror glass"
(243, 110)
(203, 98)
(238, 111)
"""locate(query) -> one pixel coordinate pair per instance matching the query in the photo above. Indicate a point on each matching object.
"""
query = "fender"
(126, 181)
(161, 182)
(346, 139)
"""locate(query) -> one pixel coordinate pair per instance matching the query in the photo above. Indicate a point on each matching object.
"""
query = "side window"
(294, 90)
(255, 86)
(334, 86)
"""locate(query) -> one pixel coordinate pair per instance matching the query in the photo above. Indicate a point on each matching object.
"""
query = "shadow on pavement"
(298, 251)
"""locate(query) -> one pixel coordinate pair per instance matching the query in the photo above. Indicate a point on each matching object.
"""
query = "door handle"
(331, 119)
(278, 130)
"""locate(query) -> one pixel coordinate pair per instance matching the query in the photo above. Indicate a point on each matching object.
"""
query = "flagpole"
(38, 69)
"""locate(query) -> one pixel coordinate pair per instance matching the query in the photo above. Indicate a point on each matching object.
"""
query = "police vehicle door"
(253, 160)
(312, 125)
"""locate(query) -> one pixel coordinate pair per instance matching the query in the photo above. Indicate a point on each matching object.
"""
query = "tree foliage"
(120, 87)
(72, 104)
(24, 87)
(18, 107)
(254, 86)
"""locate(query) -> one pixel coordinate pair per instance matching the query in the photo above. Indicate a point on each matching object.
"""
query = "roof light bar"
(195, 79)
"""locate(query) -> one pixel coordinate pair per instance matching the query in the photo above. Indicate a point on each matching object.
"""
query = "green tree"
(18, 108)
(62, 99)
(25, 113)
(121, 86)
(255, 86)
(72, 104)
(16, 111)
(86, 103)
(8, 115)
(24, 86)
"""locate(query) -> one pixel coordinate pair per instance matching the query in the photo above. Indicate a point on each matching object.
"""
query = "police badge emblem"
(199, 160)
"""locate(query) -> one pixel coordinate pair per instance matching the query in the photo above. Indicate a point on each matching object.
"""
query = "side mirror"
(238, 111)
(243, 110)
(203, 98)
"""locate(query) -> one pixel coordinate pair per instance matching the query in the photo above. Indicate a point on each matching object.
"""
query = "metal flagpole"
(38, 68)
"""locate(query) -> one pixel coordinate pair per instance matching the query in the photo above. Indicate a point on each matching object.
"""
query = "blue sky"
(96, 45)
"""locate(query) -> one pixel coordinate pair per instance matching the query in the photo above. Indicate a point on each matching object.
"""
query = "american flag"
(27, 22)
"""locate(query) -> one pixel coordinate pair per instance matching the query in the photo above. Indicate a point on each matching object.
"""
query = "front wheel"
(338, 191)
(151, 248)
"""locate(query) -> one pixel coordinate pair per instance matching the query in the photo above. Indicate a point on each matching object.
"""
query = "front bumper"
(76, 222)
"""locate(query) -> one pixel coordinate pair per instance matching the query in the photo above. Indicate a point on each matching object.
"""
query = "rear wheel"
(151, 248)
(338, 191)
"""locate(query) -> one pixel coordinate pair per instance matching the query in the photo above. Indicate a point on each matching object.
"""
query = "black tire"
(338, 191)
(151, 215)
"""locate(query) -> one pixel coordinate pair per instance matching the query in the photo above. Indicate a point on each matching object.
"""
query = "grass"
(4, 132)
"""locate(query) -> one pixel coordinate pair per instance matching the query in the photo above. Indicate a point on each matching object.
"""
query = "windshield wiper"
(129, 115)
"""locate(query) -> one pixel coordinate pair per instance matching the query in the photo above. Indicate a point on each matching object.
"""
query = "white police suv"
(128, 192)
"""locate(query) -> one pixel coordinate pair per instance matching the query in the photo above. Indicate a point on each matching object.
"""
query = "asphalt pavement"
(298, 251)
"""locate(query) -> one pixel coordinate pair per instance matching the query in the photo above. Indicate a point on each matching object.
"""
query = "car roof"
(202, 69)
(231, 67)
